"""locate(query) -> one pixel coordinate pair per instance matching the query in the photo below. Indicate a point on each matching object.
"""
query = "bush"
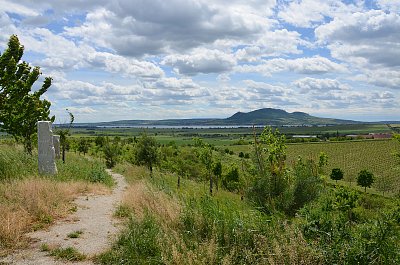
(307, 184)
(112, 151)
(336, 174)
(231, 179)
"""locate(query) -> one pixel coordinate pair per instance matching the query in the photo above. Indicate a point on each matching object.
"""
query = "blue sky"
(133, 59)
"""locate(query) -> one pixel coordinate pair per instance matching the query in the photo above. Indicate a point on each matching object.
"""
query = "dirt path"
(93, 218)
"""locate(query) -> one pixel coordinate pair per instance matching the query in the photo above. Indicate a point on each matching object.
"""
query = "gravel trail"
(94, 221)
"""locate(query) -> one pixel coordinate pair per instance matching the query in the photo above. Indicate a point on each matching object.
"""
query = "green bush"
(336, 174)
(330, 224)
(307, 184)
(231, 179)
(112, 151)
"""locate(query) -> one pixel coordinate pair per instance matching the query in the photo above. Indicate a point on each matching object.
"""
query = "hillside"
(280, 117)
(267, 116)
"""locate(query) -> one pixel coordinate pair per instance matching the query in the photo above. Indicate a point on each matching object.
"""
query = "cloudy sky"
(157, 59)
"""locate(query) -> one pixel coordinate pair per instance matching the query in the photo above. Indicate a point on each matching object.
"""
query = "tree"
(231, 179)
(111, 153)
(64, 133)
(365, 179)
(146, 152)
(83, 146)
(336, 174)
(271, 187)
(275, 150)
(100, 141)
(322, 162)
(206, 157)
(20, 107)
(217, 170)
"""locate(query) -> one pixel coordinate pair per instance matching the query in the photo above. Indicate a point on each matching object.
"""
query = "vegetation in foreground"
(167, 225)
(276, 214)
(29, 202)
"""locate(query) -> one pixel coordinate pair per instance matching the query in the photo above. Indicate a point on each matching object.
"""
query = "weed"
(122, 211)
(68, 254)
(44, 247)
(137, 245)
(75, 234)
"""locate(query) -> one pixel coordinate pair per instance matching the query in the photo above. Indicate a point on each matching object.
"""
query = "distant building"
(381, 135)
(371, 136)
(304, 136)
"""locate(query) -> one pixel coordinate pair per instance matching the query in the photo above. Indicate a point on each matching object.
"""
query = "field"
(222, 136)
(376, 156)
(351, 156)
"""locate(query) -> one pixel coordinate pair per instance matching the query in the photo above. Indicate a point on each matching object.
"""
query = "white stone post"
(56, 143)
(46, 152)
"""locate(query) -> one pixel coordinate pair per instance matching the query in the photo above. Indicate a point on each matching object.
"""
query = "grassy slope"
(166, 225)
(186, 226)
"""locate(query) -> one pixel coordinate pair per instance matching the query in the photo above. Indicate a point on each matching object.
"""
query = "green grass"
(209, 229)
(75, 234)
(137, 245)
(16, 164)
(223, 229)
(67, 254)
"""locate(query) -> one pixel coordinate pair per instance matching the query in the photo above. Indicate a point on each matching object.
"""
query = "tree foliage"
(206, 156)
(231, 179)
(336, 174)
(112, 151)
(365, 179)
(83, 146)
(146, 151)
(21, 107)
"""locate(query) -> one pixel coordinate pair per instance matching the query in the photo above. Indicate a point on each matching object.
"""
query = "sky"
(156, 59)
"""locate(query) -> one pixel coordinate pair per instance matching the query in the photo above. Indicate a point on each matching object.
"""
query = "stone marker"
(56, 143)
(46, 152)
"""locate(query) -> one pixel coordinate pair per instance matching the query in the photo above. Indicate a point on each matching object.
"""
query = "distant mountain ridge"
(270, 116)
(265, 116)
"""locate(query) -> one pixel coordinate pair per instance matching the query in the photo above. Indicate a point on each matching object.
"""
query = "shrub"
(111, 153)
(336, 174)
(231, 179)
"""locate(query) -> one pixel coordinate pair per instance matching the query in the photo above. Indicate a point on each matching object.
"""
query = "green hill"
(280, 117)
(267, 116)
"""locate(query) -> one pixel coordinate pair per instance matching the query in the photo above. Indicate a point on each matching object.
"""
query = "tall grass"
(190, 227)
(29, 201)
(15, 163)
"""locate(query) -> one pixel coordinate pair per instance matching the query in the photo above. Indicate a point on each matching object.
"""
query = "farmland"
(351, 156)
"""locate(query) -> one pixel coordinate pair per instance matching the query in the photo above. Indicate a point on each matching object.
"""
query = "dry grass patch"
(140, 198)
(35, 203)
